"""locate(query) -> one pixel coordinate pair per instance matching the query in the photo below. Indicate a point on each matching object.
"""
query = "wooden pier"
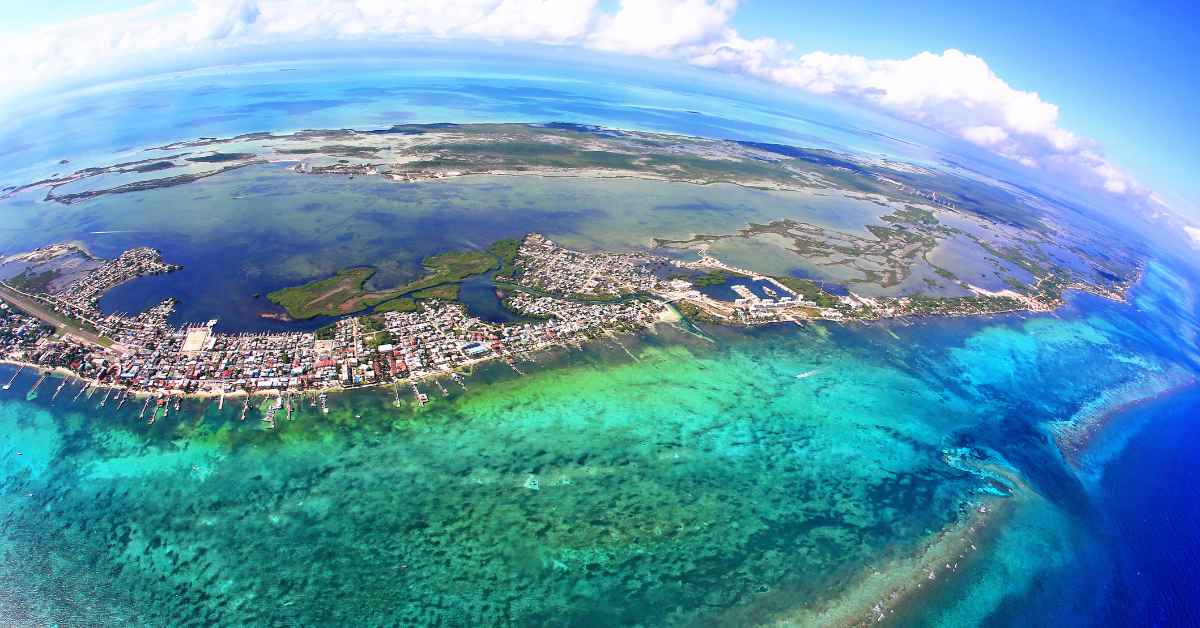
(41, 378)
(14, 377)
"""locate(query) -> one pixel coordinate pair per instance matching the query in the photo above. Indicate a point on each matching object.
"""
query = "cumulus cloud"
(952, 92)
(1194, 234)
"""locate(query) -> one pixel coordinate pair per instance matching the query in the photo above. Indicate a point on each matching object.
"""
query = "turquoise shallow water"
(702, 483)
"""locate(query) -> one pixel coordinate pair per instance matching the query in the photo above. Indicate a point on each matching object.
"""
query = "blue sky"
(1039, 81)
(1124, 73)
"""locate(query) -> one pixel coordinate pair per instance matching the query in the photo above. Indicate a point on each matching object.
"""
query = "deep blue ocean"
(700, 482)
(1150, 499)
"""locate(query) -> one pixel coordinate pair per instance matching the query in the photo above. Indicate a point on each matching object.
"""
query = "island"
(417, 332)
(936, 243)
(344, 293)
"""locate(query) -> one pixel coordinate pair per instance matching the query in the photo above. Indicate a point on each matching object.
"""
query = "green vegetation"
(808, 290)
(693, 313)
(402, 304)
(61, 322)
(450, 267)
(344, 293)
(378, 338)
(975, 304)
(711, 278)
(912, 216)
(324, 296)
(34, 283)
(444, 292)
(506, 250)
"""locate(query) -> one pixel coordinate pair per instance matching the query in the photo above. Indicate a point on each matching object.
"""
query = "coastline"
(666, 317)
(1074, 435)
(670, 315)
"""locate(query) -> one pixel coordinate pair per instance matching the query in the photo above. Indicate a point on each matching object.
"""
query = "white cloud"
(952, 92)
(660, 28)
(1194, 234)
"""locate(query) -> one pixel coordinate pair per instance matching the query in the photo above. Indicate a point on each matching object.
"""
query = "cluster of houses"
(144, 352)
(564, 297)
(546, 266)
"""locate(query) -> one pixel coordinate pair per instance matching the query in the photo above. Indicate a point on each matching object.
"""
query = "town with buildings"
(565, 298)
(143, 354)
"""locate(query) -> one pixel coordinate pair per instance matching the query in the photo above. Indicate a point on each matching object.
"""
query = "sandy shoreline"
(668, 316)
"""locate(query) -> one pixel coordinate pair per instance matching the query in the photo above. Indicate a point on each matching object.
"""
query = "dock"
(142, 414)
(421, 397)
(41, 378)
(458, 379)
(245, 406)
(269, 417)
(160, 403)
(59, 389)
(104, 401)
(14, 377)
(438, 383)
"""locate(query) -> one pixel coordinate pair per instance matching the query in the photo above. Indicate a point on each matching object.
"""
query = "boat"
(445, 393)
(159, 403)
(269, 417)
(59, 389)
(458, 379)
(422, 398)
(245, 406)
(323, 398)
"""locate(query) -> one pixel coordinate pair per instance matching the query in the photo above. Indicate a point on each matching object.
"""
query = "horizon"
(992, 94)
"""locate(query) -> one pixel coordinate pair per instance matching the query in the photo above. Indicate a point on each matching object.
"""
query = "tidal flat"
(264, 228)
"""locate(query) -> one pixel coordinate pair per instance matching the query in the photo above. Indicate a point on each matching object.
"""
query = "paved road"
(34, 308)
